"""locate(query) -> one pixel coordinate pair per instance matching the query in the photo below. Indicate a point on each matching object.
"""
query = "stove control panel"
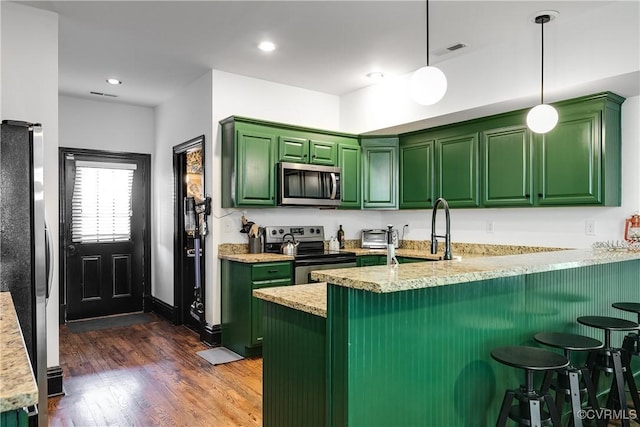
(274, 234)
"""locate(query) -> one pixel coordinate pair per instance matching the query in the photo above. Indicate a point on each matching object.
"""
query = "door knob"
(71, 250)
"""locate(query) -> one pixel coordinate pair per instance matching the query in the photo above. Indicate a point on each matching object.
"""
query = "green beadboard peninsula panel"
(422, 358)
(294, 371)
(17, 418)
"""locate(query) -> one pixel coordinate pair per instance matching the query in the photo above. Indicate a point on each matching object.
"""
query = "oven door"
(304, 268)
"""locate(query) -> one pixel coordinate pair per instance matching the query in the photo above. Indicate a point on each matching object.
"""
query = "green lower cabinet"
(241, 317)
(416, 174)
(369, 260)
(17, 418)
(506, 161)
(406, 260)
(350, 183)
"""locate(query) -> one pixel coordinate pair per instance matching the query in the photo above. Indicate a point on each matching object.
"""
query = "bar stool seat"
(569, 378)
(528, 411)
(631, 342)
(613, 360)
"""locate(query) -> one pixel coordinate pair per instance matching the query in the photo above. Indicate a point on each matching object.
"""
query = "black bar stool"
(613, 360)
(569, 377)
(631, 342)
(529, 409)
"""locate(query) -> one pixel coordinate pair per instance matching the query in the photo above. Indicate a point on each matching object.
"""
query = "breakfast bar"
(410, 345)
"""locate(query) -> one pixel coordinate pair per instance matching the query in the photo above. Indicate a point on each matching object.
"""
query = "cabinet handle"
(539, 194)
(526, 196)
(429, 199)
(272, 271)
(304, 155)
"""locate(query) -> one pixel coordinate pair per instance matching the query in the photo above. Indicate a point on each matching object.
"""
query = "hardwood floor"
(150, 375)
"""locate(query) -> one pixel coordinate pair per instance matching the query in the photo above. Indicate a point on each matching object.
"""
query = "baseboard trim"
(165, 310)
(54, 381)
(212, 335)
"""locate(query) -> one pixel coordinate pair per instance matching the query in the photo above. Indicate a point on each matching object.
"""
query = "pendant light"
(428, 84)
(543, 117)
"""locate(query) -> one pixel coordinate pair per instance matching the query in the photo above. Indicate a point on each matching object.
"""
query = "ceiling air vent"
(447, 50)
(103, 94)
(456, 47)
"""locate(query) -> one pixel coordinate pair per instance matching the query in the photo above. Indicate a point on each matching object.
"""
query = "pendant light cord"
(427, 32)
(542, 61)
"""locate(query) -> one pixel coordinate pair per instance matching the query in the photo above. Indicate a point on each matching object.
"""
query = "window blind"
(101, 203)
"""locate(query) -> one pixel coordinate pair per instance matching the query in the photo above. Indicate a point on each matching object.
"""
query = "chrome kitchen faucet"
(447, 235)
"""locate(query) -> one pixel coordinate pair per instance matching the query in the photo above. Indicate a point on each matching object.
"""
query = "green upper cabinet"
(506, 166)
(579, 161)
(457, 169)
(416, 173)
(323, 153)
(349, 162)
(251, 150)
(380, 173)
(292, 149)
(300, 149)
(248, 164)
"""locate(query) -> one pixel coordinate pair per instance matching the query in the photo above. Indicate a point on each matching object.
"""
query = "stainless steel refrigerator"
(23, 246)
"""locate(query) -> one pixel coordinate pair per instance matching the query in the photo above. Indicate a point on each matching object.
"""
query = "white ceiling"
(157, 47)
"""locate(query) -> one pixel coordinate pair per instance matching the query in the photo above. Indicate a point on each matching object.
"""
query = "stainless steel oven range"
(311, 254)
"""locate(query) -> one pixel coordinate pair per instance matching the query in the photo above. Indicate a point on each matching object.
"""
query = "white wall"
(509, 80)
(185, 116)
(29, 82)
(108, 126)
(505, 77)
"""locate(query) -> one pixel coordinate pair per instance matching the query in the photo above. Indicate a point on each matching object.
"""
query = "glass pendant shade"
(542, 118)
(427, 85)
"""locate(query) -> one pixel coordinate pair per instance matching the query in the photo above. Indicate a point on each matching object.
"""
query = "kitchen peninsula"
(411, 346)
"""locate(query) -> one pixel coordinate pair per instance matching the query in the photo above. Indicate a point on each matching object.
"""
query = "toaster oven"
(377, 238)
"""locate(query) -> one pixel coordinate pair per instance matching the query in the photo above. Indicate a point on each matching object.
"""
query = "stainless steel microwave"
(301, 184)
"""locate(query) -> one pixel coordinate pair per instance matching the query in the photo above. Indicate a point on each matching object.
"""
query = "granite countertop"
(18, 387)
(419, 275)
(255, 258)
(310, 298)
(410, 249)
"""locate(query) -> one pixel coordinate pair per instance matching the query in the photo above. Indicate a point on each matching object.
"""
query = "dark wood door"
(106, 201)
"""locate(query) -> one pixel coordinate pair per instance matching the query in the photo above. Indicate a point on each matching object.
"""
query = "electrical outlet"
(226, 226)
(489, 226)
(590, 227)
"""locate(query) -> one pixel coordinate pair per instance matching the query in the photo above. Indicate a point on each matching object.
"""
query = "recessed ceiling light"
(375, 75)
(267, 46)
(113, 81)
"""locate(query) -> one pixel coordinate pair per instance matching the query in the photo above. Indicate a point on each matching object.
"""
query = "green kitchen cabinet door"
(293, 149)
(255, 166)
(323, 153)
(349, 162)
(369, 260)
(380, 173)
(416, 175)
(569, 161)
(457, 169)
(506, 167)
